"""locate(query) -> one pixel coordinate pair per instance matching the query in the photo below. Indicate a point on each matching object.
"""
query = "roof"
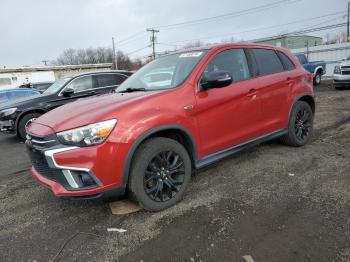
(100, 72)
(56, 68)
(218, 46)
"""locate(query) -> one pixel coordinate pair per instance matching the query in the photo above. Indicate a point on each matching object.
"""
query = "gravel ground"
(272, 202)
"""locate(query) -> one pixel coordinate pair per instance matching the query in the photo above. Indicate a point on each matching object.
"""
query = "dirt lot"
(272, 202)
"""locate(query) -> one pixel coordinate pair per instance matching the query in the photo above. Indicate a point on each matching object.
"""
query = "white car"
(341, 74)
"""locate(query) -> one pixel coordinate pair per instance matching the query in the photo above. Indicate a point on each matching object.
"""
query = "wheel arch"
(318, 69)
(176, 132)
(29, 111)
(308, 98)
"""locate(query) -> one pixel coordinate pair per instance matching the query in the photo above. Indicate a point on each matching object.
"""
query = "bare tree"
(96, 55)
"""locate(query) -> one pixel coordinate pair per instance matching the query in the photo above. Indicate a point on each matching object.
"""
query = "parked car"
(316, 68)
(341, 74)
(11, 95)
(14, 117)
(41, 86)
(146, 139)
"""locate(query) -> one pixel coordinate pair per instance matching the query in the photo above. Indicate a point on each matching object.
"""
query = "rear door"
(275, 86)
(229, 115)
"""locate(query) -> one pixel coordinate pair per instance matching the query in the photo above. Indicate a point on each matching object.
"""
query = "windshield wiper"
(130, 89)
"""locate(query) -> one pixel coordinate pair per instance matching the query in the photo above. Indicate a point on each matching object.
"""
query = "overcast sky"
(34, 30)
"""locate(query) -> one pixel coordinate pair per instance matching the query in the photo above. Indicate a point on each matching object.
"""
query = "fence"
(331, 54)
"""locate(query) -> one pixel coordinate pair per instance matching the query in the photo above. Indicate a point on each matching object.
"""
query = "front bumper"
(341, 79)
(7, 126)
(74, 172)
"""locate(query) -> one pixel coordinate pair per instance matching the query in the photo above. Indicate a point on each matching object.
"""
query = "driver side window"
(232, 61)
(81, 84)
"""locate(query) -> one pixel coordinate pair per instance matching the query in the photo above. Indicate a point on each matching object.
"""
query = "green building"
(291, 42)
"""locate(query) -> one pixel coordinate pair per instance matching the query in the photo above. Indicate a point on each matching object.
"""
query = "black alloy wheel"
(302, 124)
(164, 176)
(160, 172)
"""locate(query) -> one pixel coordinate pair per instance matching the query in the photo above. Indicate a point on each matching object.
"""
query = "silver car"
(341, 74)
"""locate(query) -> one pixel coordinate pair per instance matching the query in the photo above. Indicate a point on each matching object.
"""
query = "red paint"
(220, 118)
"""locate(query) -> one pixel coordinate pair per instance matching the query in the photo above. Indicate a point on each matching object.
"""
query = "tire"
(317, 79)
(25, 120)
(300, 126)
(165, 187)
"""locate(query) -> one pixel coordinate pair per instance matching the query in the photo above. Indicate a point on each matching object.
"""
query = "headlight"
(88, 135)
(337, 70)
(7, 112)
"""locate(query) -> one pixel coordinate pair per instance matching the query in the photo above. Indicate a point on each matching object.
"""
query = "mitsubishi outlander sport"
(146, 139)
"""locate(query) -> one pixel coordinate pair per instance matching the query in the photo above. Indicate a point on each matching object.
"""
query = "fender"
(29, 110)
(147, 134)
(316, 69)
(298, 98)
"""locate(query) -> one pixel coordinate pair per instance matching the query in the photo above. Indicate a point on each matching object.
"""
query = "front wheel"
(24, 123)
(160, 173)
(300, 126)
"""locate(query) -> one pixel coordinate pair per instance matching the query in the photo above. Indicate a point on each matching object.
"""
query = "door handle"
(252, 93)
(289, 80)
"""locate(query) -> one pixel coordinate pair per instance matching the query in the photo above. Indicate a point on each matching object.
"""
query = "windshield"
(164, 73)
(55, 87)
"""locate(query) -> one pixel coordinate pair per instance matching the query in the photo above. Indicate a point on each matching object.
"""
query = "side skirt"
(207, 160)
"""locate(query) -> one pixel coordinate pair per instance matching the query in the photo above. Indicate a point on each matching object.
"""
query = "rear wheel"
(24, 123)
(160, 173)
(300, 126)
(317, 79)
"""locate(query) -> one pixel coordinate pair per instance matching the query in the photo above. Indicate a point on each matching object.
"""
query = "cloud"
(33, 30)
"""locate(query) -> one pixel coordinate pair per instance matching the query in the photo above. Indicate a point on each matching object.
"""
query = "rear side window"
(233, 61)
(267, 61)
(287, 63)
(81, 84)
(109, 80)
(302, 59)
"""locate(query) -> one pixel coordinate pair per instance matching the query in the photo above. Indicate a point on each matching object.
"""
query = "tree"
(96, 56)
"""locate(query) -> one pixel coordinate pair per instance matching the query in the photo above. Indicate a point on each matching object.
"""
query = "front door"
(229, 115)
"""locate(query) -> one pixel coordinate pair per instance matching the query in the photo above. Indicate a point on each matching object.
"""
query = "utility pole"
(153, 40)
(45, 62)
(115, 61)
(348, 35)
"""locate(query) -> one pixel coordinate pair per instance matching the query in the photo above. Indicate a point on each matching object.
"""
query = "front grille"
(40, 164)
(346, 72)
(43, 142)
(345, 67)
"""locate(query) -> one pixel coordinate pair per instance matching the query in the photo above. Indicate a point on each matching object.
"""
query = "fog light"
(79, 179)
(86, 179)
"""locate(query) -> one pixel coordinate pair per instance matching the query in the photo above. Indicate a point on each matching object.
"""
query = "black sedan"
(14, 117)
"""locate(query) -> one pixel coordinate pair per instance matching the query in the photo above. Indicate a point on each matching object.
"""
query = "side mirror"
(216, 79)
(68, 92)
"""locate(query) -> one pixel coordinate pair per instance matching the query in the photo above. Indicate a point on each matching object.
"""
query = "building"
(12, 77)
(292, 42)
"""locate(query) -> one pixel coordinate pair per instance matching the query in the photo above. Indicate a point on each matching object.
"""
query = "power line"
(208, 19)
(138, 50)
(257, 29)
(131, 37)
(228, 15)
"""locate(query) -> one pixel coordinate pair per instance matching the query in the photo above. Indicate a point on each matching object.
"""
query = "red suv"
(180, 112)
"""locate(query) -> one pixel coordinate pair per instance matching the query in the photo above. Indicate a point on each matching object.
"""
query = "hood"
(345, 63)
(22, 103)
(90, 110)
